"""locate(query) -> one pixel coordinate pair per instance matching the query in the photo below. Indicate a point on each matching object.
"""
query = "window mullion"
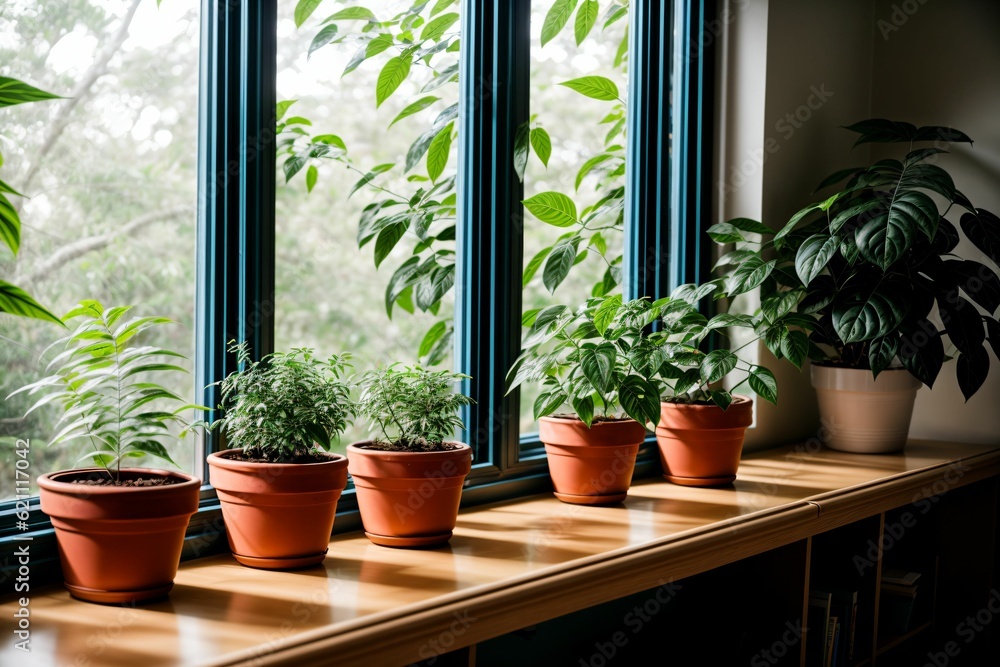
(493, 103)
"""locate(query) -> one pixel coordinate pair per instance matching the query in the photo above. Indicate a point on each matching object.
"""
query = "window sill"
(509, 565)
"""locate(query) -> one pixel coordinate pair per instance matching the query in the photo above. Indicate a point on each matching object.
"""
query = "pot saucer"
(700, 481)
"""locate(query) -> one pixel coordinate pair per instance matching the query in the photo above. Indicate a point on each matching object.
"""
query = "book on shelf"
(842, 604)
(831, 640)
(898, 577)
(818, 623)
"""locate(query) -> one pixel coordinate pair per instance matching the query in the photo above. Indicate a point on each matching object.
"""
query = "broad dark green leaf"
(434, 285)
(584, 409)
(521, 143)
(724, 232)
(838, 176)
(153, 448)
(972, 368)
(863, 313)
(764, 384)
(721, 398)
(597, 362)
(983, 229)
(547, 403)
(889, 234)
(813, 256)
(778, 305)
(882, 352)
(752, 226)
(558, 263)
(15, 301)
(978, 281)
(921, 351)
(387, 240)
(717, 364)
(748, 275)
(795, 347)
(962, 323)
(640, 399)
(10, 225)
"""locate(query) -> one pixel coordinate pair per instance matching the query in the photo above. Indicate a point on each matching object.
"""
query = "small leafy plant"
(611, 354)
(866, 267)
(105, 385)
(414, 409)
(277, 409)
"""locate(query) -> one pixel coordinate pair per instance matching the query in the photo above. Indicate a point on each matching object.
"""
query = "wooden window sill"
(509, 565)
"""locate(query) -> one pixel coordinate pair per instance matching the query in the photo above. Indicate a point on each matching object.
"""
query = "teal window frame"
(668, 176)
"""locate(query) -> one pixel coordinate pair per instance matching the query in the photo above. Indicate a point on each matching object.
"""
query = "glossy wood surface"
(509, 565)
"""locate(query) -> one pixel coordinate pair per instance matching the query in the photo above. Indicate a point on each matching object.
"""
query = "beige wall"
(817, 65)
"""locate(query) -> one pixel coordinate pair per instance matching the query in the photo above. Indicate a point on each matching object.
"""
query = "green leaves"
(597, 362)
(553, 208)
(438, 152)
(717, 364)
(304, 9)
(415, 107)
(542, 144)
(888, 235)
(764, 384)
(640, 399)
(749, 274)
(13, 91)
(559, 262)
(322, 38)
(595, 87)
(586, 18)
(606, 312)
(393, 73)
(352, 14)
(880, 130)
(435, 28)
(10, 225)
(105, 386)
(15, 301)
(813, 256)
(863, 312)
(556, 18)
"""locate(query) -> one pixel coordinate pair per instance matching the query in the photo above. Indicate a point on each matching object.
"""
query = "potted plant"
(119, 529)
(583, 360)
(866, 269)
(703, 421)
(409, 475)
(277, 486)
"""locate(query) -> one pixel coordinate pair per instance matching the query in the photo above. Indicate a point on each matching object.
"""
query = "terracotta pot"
(409, 499)
(861, 414)
(119, 544)
(278, 516)
(700, 445)
(591, 466)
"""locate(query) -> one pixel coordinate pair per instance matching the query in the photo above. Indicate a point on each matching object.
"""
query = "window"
(109, 175)
(279, 266)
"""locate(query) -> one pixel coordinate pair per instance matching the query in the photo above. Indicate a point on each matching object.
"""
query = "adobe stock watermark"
(922, 502)
(443, 642)
(22, 512)
(635, 621)
(900, 14)
(785, 127)
(780, 647)
(967, 630)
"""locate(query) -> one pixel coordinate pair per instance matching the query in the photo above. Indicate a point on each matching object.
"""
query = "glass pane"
(110, 179)
(364, 91)
(584, 122)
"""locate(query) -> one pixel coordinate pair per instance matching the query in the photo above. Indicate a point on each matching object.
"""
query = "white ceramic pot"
(861, 414)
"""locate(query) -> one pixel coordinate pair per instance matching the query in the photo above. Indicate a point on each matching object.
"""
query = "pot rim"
(837, 367)
(382, 453)
(50, 482)
(223, 459)
(738, 400)
(575, 418)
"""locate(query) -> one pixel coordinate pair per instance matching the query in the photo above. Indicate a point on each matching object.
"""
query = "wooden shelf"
(892, 642)
(509, 565)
